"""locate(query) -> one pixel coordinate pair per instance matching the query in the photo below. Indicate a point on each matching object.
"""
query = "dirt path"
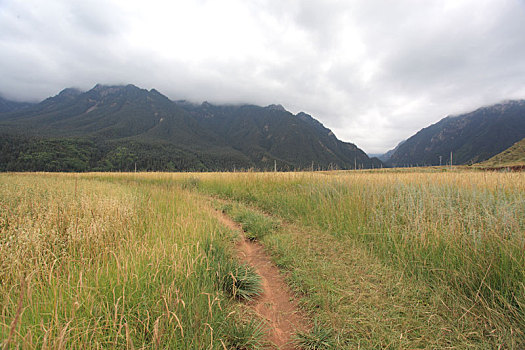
(276, 303)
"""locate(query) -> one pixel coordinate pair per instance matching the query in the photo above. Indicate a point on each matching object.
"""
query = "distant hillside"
(385, 157)
(7, 106)
(123, 127)
(271, 133)
(471, 137)
(514, 155)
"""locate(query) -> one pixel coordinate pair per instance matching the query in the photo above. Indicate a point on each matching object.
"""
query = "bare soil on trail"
(276, 304)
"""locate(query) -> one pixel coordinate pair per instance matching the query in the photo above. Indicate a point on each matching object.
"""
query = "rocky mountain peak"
(70, 92)
(276, 107)
(105, 90)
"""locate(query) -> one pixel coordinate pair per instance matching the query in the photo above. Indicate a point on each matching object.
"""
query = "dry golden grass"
(107, 263)
(460, 233)
(45, 223)
(435, 259)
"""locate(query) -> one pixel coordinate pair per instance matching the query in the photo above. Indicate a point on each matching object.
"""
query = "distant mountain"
(110, 113)
(514, 155)
(123, 127)
(7, 106)
(385, 157)
(471, 137)
(266, 134)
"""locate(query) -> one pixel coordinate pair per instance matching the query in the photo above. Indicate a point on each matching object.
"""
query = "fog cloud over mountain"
(373, 71)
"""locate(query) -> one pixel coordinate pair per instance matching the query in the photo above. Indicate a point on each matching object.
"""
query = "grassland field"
(413, 259)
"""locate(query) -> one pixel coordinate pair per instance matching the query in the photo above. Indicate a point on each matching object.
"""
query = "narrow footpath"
(276, 304)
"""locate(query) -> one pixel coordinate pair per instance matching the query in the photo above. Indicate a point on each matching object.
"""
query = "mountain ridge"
(108, 118)
(471, 137)
(7, 106)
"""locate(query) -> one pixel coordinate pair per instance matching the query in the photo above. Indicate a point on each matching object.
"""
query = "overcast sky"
(373, 71)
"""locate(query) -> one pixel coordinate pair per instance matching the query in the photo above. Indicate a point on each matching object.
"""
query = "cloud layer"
(373, 71)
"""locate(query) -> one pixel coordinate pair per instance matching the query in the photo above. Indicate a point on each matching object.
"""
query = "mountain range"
(470, 138)
(126, 128)
(7, 106)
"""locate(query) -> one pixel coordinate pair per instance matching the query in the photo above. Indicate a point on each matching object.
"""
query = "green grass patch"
(240, 281)
(254, 224)
(236, 279)
(318, 338)
(245, 333)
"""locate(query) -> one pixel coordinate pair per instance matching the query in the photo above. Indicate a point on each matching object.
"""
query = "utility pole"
(440, 157)
(450, 159)
(274, 166)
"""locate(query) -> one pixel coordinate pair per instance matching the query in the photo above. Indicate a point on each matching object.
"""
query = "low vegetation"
(255, 225)
(236, 279)
(457, 237)
(319, 337)
(512, 156)
(105, 263)
(382, 259)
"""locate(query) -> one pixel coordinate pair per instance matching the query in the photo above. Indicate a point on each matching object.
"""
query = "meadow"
(377, 259)
(104, 263)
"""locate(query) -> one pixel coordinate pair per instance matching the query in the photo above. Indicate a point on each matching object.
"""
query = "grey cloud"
(99, 18)
(373, 71)
(323, 20)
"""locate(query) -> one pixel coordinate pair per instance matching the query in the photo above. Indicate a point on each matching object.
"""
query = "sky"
(373, 71)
